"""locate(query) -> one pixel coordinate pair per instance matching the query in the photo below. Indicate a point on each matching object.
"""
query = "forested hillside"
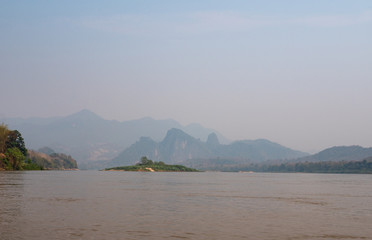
(52, 161)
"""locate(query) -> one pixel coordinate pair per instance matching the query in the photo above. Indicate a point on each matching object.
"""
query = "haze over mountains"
(339, 153)
(88, 137)
(96, 143)
(177, 147)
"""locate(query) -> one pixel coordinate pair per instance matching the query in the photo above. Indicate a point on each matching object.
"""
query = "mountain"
(88, 137)
(212, 140)
(199, 132)
(178, 146)
(260, 149)
(339, 153)
(341, 159)
(175, 147)
(144, 147)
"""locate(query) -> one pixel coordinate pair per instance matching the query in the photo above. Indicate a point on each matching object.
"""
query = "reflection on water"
(124, 205)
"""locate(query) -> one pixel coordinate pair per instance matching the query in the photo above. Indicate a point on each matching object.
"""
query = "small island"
(147, 165)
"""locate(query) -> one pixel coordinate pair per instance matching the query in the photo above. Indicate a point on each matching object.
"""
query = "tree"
(145, 161)
(15, 158)
(15, 140)
(4, 132)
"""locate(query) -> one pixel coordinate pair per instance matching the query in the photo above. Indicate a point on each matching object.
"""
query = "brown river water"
(210, 205)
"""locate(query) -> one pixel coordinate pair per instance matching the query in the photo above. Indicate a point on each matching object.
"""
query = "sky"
(295, 72)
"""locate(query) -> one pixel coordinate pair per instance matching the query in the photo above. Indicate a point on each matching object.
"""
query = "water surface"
(141, 205)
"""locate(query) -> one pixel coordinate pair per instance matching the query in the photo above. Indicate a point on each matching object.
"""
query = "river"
(210, 205)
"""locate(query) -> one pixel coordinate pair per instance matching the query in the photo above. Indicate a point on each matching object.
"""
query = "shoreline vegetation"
(147, 165)
(14, 156)
(13, 153)
(339, 167)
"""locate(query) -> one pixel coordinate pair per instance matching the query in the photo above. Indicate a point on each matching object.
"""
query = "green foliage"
(29, 165)
(13, 151)
(145, 161)
(4, 132)
(14, 159)
(15, 140)
(145, 165)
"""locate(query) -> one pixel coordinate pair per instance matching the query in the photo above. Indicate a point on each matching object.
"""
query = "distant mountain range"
(329, 160)
(339, 153)
(97, 143)
(88, 137)
(177, 147)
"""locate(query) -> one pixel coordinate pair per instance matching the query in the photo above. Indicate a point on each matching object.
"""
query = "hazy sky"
(295, 72)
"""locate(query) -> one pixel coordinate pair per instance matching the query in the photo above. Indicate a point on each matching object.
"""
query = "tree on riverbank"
(4, 132)
(13, 151)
